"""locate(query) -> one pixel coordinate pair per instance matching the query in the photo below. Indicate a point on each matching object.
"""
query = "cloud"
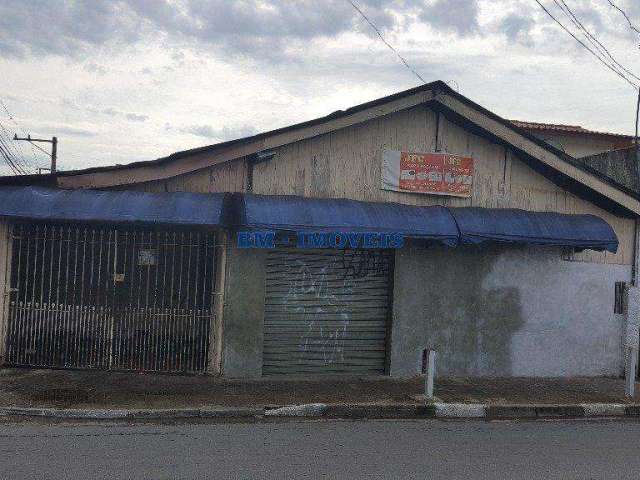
(95, 68)
(134, 117)
(222, 134)
(517, 28)
(255, 65)
(61, 130)
(458, 16)
(250, 28)
(110, 111)
(43, 27)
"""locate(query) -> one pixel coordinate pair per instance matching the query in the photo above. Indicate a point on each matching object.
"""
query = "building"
(575, 140)
(621, 167)
(513, 261)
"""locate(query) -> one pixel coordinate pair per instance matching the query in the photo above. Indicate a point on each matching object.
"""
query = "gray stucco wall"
(489, 311)
(243, 315)
(505, 311)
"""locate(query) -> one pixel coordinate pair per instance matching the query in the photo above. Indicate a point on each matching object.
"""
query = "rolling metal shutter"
(326, 311)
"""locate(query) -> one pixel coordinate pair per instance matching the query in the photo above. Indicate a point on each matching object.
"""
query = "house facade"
(289, 253)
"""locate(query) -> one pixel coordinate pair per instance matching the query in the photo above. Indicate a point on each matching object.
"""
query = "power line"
(600, 59)
(8, 161)
(8, 157)
(377, 30)
(592, 39)
(16, 156)
(11, 117)
(7, 137)
(631, 25)
(10, 150)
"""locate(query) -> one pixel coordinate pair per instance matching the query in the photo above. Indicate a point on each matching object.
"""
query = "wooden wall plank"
(226, 177)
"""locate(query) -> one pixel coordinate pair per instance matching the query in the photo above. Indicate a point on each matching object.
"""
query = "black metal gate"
(86, 296)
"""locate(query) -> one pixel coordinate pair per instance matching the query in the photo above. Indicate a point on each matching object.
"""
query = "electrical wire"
(379, 33)
(16, 155)
(7, 160)
(10, 152)
(600, 59)
(631, 25)
(592, 39)
(33, 151)
(8, 157)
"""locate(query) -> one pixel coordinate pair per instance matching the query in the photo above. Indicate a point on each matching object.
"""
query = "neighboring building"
(621, 166)
(575, 140)
(515, 264)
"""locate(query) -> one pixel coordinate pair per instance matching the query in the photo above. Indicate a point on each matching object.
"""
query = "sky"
(119, 81)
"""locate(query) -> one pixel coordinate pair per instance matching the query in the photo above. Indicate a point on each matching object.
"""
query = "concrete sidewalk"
(96, 394)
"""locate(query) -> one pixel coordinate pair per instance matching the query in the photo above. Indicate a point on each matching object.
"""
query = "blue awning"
(111, 206)
(290, 213)
(452, 226)
(340, 215)
(478, 225)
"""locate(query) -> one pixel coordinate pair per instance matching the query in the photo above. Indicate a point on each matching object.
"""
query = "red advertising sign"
(434, 173)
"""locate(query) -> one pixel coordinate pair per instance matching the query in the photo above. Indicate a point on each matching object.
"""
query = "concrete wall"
(505, 311)
(243, 317)
(489, 311)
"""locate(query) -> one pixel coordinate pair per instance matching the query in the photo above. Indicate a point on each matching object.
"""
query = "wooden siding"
(226, 177)
(347, 164)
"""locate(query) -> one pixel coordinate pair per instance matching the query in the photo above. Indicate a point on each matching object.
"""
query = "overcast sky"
(130, 80)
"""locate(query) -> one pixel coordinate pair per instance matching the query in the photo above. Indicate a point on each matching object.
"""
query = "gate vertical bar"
(6, 244)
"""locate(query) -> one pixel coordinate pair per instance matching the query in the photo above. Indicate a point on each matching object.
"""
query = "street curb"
(360, 411)
(346, 411)
(460, 410)
(306, 410)
(605, 410)
(533, 411)
(137, 414)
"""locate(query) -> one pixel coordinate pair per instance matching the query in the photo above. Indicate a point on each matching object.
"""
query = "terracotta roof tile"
(576, 129)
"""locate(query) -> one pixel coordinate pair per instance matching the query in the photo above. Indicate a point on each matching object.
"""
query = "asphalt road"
(329, 449)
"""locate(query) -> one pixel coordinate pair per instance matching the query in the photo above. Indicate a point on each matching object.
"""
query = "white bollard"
(630, 380)
(428, 367)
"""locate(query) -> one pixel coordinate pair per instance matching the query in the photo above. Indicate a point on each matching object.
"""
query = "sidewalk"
(78, 391)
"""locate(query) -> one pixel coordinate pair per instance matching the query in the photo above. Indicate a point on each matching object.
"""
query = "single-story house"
(342, 245)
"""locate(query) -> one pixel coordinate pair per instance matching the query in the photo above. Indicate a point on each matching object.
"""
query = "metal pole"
(54, 153)
(54, 149)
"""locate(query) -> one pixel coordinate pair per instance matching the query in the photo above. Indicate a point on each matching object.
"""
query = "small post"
(428, 368)
(630, 380)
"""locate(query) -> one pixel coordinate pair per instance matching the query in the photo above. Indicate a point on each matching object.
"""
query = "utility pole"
(54, 148)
